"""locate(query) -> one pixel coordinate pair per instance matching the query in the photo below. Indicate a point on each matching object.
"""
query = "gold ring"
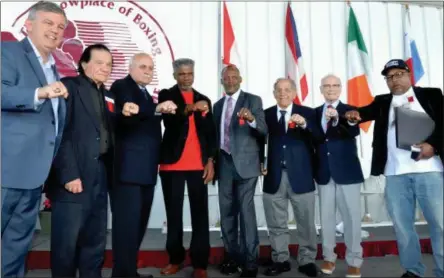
(57, 90)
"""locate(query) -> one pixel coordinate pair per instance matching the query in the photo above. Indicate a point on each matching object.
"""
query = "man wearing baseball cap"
(409, 179)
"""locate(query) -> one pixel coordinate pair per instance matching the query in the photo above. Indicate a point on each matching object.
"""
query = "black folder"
(412, 127)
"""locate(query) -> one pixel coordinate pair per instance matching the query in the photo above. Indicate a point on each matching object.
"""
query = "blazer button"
(98, 138)
(284, 146)
(326, 140)
(53, 122)
(328, 153)
(52, 143)
(95, 158)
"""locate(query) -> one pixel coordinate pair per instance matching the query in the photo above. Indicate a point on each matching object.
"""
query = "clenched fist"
(245, 113)
(353, 116)
(331, 113)
(74, 186)
(298, 120)
(53, 90)
(130, 109)
(166, 107)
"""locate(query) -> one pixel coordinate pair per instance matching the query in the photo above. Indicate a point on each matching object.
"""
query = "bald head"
(141, 68)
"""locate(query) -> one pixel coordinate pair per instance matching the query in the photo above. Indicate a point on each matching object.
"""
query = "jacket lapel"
(319, 117)
(218, 112)
(34, 62)
(273, 120)
(85, 96)
(239, 105)
(424, 102)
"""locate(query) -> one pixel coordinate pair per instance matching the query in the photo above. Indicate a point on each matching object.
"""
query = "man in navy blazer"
(33, 112)
(339, 177)
(292, 132)
(138, 138)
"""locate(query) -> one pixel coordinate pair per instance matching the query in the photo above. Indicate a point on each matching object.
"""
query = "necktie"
(227, 121)
(330, 122)
(145, 92)
(282, 128)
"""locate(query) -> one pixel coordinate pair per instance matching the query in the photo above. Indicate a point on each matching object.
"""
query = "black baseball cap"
(395, 64)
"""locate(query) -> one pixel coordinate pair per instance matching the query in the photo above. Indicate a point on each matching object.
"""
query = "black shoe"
(229, 267)
(409, 274)
(248, 272)
(145, 275)
(278, 268)
(311, 270)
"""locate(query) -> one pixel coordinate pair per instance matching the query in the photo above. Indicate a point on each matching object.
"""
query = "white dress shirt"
(234, 96)
(398, 160)
(50, 78)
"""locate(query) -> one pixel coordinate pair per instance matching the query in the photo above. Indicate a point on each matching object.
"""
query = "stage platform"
(380, 243)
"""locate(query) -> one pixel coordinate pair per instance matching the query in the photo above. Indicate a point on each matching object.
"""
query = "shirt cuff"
(304, 126)
(37, 101)
(157, 114)
(252, 124)
(352, 124)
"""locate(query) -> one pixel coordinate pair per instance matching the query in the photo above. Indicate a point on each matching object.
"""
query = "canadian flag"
(230, 49)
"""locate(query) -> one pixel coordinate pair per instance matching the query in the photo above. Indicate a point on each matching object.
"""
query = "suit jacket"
(176, 128)
(28, 137)
(80, 148)
(431, 100)
(336, 152)
(138, 137)
(298, 148)
(244, 140)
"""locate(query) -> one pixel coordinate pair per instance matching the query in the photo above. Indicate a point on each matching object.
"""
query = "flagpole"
(219, 49)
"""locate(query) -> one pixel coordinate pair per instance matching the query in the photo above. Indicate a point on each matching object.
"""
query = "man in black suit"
(187, 153)
(410, 176)
(339, 178)
(82, 169)
(292, 131)
(138, 137)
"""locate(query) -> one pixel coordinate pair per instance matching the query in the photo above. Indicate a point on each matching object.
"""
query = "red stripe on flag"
(228, 36)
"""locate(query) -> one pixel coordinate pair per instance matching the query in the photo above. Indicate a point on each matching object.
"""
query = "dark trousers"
(130, 214)
(20, 208)
(236, 200)
(173, 186)
(78, 232)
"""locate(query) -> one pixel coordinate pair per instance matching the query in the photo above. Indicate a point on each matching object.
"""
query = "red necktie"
(329, 123)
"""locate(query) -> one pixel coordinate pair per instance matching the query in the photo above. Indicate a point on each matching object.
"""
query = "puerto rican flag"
(411, 54)
(294, 67)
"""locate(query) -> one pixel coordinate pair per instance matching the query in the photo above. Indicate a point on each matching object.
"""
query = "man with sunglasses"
(408, 178)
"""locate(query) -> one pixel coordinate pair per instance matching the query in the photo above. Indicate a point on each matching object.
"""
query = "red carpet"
(159, 258)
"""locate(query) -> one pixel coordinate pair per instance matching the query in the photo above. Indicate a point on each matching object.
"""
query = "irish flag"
(358, 67)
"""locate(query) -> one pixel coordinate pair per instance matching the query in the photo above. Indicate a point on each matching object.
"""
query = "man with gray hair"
(138, 137)
(33, 115)
(289, 177)
(339, 178)
(186, 154)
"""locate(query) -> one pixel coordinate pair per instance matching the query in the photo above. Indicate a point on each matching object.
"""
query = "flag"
(411, 55)
(359, 80)
(230, 49)
(294, 66)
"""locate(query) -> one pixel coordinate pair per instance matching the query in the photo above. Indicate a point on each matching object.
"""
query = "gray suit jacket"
(244, 140)
(28, 135)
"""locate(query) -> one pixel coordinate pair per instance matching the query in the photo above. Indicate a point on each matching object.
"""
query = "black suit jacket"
(431, 100)
(138, 137)
(80, 147)
(176, 128)
(336, 152)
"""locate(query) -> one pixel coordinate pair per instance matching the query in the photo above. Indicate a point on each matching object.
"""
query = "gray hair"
(138, 55)
(292, 83)
(182, 62)
(45, 6)
(328, 76)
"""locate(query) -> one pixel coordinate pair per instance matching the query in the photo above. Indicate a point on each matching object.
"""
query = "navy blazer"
(80, 148)
(138, 137)
(299, 151)
(336, 152)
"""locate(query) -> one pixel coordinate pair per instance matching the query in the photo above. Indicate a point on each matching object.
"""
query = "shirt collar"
(234, 96)
(288, 109)
(51, 59)
(334, 104)
(94, 84)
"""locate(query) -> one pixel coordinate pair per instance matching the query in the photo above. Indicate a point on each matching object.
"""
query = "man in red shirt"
(187, 152)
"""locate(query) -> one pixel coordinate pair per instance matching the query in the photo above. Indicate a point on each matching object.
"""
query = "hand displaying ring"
(246, 114)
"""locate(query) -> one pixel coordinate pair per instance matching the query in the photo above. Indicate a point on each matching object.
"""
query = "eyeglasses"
(395, 76)
(329, 86)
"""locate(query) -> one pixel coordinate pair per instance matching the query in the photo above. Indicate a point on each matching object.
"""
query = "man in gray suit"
(241, 126)
(33, 112)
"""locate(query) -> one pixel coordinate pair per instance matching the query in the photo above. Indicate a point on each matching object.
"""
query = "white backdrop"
(193, 31)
